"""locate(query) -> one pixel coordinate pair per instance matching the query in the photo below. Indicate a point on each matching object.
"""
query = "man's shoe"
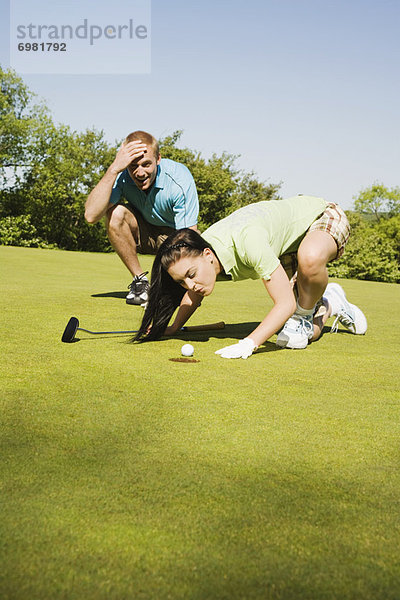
(296, 333)
(349, 315)
(138, 290)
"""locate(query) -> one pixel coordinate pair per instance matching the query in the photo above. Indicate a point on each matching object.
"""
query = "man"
(161, 196)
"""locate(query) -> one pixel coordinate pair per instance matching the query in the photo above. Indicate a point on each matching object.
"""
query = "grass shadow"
(110, 295)
(100, 337)
(231, 330)
(328, 329)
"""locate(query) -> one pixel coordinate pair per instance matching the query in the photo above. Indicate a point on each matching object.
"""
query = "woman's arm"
(281, 292)
(189, 303)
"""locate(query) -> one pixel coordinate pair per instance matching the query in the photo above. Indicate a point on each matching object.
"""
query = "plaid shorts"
(334, 221)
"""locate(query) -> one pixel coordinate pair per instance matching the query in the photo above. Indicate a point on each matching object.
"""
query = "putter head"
(70, 330)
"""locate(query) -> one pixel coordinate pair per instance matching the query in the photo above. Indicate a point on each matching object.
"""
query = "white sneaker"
(349, 315)
(296, 333)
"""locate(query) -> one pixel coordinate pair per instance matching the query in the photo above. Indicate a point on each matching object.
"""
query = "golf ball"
(187, 350)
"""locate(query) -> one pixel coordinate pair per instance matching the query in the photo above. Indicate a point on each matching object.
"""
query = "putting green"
(127, 475)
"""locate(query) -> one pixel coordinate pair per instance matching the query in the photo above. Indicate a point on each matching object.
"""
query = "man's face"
(144, 169)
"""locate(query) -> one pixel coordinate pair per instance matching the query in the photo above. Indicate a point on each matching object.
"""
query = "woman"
(268, 241)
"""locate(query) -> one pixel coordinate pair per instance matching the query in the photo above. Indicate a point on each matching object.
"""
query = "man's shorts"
(334, 221)
(150, 237)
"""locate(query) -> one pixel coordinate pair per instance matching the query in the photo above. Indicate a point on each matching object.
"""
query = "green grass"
(127, 476)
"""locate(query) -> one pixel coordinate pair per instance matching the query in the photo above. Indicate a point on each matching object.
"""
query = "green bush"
(19, 231)
(390, 229)
(370, 254)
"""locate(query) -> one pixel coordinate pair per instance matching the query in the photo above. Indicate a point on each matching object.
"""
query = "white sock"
(304, 312)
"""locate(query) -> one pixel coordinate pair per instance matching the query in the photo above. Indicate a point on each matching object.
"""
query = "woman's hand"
(243, 349)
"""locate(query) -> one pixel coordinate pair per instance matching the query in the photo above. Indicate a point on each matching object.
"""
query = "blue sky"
(306, 92)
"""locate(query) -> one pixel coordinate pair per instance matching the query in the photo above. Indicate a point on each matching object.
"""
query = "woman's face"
(196, 273)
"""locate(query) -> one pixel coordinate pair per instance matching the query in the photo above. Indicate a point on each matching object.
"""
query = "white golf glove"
(243, 349)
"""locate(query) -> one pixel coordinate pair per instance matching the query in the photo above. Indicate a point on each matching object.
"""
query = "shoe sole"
(282, 343)
(361, 321)
(135, 302)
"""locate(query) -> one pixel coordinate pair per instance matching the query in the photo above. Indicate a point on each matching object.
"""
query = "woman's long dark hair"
(165, 294)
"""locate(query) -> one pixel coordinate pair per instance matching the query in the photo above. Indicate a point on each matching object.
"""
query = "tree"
(369, 254)
(222, 188)
(378, 200)
(46, 172)
(250, 190)
(56, 187)
(390, 229)
(23, 124)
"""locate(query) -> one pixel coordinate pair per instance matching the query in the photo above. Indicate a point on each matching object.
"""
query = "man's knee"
(118, 216)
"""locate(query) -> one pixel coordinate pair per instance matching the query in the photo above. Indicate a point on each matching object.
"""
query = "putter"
(73, 326)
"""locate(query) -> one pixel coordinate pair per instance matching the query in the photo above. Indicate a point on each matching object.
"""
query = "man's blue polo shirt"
(172, 200)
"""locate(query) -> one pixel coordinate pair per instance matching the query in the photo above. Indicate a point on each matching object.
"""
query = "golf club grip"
(206, 327)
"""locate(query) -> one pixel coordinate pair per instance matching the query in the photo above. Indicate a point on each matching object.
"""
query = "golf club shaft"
(102, 332)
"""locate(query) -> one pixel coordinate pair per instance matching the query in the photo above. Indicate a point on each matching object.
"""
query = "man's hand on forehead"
(129, 153)
(136, 149)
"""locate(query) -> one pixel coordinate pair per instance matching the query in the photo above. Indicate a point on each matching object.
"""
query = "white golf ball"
(187, 350)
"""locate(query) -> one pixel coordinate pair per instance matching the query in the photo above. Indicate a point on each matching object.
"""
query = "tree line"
(47, 170)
